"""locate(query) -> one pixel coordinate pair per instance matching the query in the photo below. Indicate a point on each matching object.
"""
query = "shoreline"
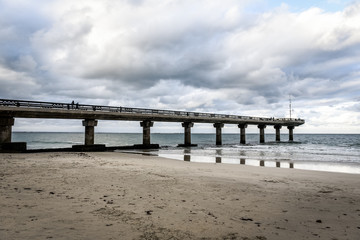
(111, 195)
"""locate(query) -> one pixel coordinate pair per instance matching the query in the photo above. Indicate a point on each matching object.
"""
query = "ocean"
(321, 152)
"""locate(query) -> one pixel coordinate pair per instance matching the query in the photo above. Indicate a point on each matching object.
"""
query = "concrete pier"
(277, 127)
(262, 132)
(218, 127)
(242, 133)
(187, 133)
(146, 131)
(5, 129)
(90, 114)
(89, 125)
(291, 133)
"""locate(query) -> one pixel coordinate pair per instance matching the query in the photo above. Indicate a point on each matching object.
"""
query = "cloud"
(137, 45)
(213, 56)
(16, 84)
(18, 21)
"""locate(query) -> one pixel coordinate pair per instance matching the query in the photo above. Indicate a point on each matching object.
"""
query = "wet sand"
(129, 196)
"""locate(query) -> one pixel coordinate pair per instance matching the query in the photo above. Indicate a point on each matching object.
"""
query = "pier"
(90, 114)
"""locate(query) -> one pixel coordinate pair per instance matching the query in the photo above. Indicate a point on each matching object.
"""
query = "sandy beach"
(130, 196)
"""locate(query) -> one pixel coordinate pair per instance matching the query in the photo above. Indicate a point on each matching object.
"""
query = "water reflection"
(243, 161)
(249, 158)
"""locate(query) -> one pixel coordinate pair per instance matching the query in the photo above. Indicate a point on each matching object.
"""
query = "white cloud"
(191, 55)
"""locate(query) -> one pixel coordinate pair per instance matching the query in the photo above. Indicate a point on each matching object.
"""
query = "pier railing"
(120, 109)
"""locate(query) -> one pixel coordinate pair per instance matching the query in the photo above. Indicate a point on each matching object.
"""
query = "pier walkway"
(90, 114)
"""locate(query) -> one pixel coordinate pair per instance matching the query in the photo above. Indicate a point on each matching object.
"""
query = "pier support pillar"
(5, 129)
(89, 125)
(277, 127)
(187, 133)
(146, 131)
(242, 133)
(291, 133)
(6, 145)
(218, 127)
(262, 133)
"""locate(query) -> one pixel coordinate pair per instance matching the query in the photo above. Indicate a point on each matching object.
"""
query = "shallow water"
(325, 152)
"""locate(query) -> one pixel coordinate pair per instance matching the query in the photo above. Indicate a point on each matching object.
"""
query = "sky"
(221, 56)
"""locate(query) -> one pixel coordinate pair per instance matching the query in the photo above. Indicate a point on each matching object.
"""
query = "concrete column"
(187, 132)
(262, 133)
(89, 125)
(242, 133)
(277, 127)
(146, 131)
(218, 127)
(5, 129)
(291, 133)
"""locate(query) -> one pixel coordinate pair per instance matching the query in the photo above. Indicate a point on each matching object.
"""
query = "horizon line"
(183, 133)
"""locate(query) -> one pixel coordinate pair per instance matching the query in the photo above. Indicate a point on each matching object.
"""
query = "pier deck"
(11, 109)
(33, 109)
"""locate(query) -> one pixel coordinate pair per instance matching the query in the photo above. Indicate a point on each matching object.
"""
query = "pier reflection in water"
(283, 155)
(187, 157)
(200, 156)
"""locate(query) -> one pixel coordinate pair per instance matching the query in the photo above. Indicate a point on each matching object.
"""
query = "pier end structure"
(291, 133)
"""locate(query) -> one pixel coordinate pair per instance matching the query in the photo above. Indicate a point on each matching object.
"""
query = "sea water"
(324, 152)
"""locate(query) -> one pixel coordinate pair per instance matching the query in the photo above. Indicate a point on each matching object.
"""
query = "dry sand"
(128, 196)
